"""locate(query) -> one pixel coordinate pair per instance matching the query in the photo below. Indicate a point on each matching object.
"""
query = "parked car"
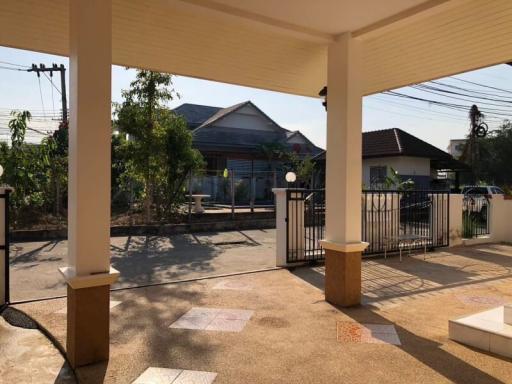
(483, 190)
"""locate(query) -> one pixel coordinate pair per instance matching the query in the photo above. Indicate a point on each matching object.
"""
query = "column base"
(343, 277)
(88, 321)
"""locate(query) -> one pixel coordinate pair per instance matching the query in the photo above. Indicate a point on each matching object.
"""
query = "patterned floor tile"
(154, 375)
(351, 332)
(195, 377)
(64, 310)
(213, 319)
(196, 322)
(226, 325)
(234, 314)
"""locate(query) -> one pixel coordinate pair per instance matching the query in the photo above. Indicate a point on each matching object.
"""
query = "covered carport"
(356, 48)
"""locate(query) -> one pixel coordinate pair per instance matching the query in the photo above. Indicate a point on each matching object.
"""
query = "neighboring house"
(231, 138)
(456, 147)
(409, 156)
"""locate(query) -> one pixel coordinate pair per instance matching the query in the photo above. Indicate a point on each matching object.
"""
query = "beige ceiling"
(281, 45)
(321, 16)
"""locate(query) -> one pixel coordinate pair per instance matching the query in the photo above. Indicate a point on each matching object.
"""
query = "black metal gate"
(391, 218)
(305, 218)
(387, 217)
(6, 244)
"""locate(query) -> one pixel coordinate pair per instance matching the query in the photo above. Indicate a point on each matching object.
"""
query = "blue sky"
(436, 125)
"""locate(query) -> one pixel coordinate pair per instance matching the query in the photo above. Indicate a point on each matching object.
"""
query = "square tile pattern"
(214, 319)
(351, 332)
(64, 311)
(154, 375)
(235, 285)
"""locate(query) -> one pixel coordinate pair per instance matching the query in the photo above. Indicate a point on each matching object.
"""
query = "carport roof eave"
(196, 45)
(156, 69)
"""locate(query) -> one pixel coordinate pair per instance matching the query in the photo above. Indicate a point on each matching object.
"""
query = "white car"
(485, 190)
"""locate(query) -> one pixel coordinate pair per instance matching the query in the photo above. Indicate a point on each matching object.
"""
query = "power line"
(14, 64)
(481, 85)
(11, 69)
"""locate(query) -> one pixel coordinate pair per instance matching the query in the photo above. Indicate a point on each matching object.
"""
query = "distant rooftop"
(396, 142)
(196, 114)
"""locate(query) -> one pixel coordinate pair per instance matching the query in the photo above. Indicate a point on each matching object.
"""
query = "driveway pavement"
(144, 260)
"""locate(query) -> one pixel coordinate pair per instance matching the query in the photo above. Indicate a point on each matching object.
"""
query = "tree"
(25, 169)
(158, 151)
(55, 146)
(495, 156)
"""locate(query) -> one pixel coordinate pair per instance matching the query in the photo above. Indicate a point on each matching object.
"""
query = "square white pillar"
(89, 136)
(89, 275)
(343, 182)
(344, 143)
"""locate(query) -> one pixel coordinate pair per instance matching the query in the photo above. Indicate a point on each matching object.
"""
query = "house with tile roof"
(412, 158)
(231, 138)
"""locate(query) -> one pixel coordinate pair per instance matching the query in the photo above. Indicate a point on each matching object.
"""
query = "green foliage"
(305, 169)
(242, 191)
(467, 226)
(158, 154)
(495, 157)
(26, 169)
(394, 181)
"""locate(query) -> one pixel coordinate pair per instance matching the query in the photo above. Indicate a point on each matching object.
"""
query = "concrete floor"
(145, 260)
(292, 334)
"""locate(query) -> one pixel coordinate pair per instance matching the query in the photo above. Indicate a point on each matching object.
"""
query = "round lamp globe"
(291, 177)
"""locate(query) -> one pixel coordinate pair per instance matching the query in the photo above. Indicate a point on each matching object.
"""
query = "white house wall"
(404, 165)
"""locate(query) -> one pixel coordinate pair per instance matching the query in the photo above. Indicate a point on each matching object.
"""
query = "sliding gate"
(387, 219)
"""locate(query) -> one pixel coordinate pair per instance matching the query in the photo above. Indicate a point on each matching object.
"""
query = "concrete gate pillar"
(88, 274)
(342, 241)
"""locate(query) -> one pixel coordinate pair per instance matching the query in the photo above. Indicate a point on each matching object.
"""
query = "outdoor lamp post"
(290, 177)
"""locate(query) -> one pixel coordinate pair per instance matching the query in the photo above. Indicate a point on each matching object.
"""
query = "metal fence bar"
(387, 217)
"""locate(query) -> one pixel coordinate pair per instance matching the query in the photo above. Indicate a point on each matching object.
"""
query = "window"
(378, 174)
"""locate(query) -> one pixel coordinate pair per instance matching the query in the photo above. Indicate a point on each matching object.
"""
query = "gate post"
(4, 245)
(455, 231)
(281, 226)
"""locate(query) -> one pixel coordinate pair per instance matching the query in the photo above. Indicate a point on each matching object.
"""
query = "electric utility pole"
(62, 70)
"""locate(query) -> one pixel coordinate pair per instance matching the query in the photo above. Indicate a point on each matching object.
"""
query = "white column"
(344, 145)
(89, 136)
(343, 179)
(89, 275)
